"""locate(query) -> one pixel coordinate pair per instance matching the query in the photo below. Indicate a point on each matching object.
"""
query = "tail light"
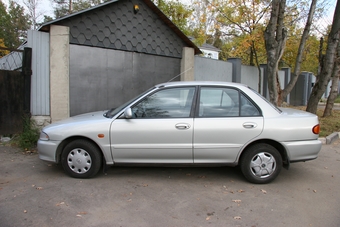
(316, 129)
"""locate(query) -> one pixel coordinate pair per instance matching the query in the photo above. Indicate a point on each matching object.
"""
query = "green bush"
(29, 136)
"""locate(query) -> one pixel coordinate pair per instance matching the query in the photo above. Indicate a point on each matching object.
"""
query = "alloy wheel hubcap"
(79, 161)
(263, 165)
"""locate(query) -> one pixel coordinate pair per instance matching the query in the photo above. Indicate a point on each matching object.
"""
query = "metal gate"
(15, 90)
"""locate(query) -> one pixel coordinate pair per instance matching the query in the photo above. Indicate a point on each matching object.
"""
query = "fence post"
(27, 73)
(236, 74)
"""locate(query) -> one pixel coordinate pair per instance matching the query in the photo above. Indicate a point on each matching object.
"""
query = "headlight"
(44, 136)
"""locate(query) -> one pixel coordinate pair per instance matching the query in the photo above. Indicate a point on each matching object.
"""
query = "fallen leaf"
(240, 191)
(264, 191)
(314, 191)
(62, 203)
(236, 201)
(237, 217)
(208, 218)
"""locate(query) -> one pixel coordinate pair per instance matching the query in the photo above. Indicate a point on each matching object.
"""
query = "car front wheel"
(81, 159)
(261, 163)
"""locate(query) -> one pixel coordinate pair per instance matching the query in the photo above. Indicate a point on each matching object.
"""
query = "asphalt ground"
(36, 193)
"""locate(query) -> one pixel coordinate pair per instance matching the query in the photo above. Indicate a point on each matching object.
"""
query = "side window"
(167, 103)
(247, 108)
(218, 102)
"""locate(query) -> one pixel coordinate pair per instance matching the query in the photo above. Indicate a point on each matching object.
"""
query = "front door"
(160, 131)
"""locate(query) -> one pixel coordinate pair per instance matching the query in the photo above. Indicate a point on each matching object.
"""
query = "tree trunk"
(327, 64)
(334, 89)
(258, 67)
(275, 37)
(297, 68)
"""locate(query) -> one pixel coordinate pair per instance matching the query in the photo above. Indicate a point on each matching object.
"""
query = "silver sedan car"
(186, 123)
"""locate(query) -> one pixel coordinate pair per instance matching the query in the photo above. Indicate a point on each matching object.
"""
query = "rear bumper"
(299, 151)
(47, 150)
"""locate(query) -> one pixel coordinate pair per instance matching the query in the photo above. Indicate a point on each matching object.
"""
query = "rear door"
(161, 130)
(225, 120)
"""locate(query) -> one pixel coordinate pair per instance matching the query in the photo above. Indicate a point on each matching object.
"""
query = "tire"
(81, 159)
(261, 163)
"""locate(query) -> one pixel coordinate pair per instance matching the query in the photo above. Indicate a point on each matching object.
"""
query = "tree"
(243, 22)
(4, 23)
(298, 61)
(177, 12)
(3, 52)
(275, 40)
(14, 24)
(203, 22)
(327, 63)
(32, 6)
(334, 88)
(66, 7)
(276, 37)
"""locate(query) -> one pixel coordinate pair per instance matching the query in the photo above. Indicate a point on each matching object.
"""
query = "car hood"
(79, 124)
(93, 116)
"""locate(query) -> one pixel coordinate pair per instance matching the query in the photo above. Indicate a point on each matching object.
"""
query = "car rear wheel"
(261, 163)
(81, 159)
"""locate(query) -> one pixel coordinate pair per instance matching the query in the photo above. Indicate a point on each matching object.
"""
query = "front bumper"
(47, 150)
(299, 151)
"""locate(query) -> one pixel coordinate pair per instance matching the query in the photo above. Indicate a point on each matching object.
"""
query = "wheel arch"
(278, 146)
(73, 138)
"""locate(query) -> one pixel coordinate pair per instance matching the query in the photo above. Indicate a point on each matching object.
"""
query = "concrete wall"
(207, 69)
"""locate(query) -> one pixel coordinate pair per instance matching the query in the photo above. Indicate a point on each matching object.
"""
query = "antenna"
(181, 74)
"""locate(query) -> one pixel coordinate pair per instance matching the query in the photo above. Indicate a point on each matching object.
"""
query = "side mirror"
(128, 113)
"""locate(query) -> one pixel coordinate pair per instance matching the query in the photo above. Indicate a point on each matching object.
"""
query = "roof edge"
(46, 26)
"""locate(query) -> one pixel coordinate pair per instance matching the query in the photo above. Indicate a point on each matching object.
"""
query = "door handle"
(249, 125)
(182, 126)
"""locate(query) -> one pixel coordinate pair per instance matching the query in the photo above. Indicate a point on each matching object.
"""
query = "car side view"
(186, 123)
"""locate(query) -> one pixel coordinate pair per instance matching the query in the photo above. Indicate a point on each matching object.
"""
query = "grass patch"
(329, 124)
(337, 100)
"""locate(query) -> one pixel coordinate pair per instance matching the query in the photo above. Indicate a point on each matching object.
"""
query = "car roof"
(200, 83)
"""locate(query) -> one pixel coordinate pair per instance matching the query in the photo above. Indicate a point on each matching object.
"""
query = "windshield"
(112, 112)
